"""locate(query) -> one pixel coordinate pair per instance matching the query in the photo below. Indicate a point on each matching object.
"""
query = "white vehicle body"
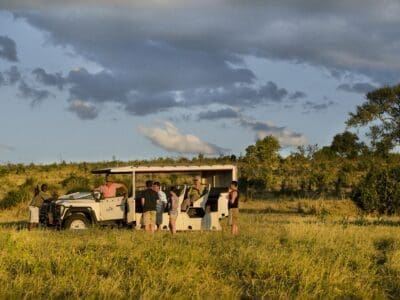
(79, 210)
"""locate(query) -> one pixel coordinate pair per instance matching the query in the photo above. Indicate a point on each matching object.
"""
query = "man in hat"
(195, 192)
(109, 189)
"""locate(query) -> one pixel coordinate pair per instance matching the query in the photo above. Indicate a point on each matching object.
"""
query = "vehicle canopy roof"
(167, 169)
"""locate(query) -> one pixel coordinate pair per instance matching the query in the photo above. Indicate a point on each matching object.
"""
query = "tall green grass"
(278, 254)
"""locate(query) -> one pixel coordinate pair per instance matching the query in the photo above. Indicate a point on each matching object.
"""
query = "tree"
(379, 191)
(260, 162)
(382, 111)
(346, 145)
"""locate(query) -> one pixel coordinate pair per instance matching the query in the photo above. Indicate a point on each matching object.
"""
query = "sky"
(99, 80)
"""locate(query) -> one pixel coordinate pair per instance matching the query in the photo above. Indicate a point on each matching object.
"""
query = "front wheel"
(76, 222)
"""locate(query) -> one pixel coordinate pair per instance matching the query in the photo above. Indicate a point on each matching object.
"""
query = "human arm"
(163, 198)
(122, 186)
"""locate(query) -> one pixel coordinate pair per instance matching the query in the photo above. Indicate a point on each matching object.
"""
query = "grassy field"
(287, 249)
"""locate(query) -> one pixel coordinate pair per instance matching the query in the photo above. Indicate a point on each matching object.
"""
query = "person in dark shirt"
(149, 203)
(40, 196)
(233, 207)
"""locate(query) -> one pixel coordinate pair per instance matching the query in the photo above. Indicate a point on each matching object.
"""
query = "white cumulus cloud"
(282, 134)
(83, 109)
(285, 137)
(171, 139)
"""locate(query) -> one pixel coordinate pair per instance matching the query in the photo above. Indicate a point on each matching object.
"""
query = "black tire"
(76, 222)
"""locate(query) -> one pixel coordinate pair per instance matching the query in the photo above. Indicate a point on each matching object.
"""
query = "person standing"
(34, 207)
(149, 204)
(161, 204)
(173, 211)
(233, 207)
(109, 189)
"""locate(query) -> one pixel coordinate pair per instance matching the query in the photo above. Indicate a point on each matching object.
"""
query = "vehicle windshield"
(77, 195)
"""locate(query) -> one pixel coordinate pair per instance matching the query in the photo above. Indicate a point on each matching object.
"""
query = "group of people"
(153, 201)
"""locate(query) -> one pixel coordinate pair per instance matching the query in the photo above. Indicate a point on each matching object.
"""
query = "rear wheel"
(76, 222)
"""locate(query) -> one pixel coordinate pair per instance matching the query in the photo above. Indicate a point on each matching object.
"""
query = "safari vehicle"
(83, 209)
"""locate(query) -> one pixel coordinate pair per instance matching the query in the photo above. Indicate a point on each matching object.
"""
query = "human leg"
(172, 223)
(33, 217)
(146, 220)
(152, 221)
(234, 217)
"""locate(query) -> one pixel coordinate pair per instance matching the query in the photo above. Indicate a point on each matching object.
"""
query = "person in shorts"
(161, 204)
(173, 211)
(233, 207)
(149, 204)
(34, 207)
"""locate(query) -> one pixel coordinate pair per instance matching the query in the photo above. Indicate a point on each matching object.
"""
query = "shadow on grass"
(294, 211)
(19, 225)
(362, 222)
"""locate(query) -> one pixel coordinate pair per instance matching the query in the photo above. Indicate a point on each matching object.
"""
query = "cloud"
(45, 78)
(145, 68)
(84, 110)
(12, 75)
(151, 52)
(8, 49)
(150, 41)
(36, 95)
(170, 139)
(96, 87)
(297, 95)
(2, 80)
(224, 113)
(242, 96)
(285, 137)
(310, 106)
(103, 86)
(6, 148)
(271, 91)
(145, 104)
(361, 87)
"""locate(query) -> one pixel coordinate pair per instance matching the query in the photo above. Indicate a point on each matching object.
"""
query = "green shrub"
(75, 183)
(379, 191)
(3, 171)
(22, 194)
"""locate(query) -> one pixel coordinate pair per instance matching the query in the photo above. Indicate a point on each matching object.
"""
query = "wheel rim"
(77, 224)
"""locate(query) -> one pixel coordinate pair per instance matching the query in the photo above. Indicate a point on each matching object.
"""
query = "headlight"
(59, 210)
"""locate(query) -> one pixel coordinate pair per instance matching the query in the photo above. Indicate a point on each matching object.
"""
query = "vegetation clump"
(19, 195)
(379, 191)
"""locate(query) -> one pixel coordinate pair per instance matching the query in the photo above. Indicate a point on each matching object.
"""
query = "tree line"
(367, 173)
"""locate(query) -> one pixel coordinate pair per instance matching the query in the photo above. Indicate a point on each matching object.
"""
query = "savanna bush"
(74, 183)
(379, 191)
(22, 194)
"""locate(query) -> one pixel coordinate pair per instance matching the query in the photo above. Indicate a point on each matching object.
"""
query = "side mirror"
(97, 195)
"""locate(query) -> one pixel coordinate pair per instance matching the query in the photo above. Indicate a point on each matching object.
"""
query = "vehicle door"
(112, 208)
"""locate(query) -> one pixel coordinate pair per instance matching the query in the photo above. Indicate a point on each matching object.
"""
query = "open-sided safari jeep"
(83, 209)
